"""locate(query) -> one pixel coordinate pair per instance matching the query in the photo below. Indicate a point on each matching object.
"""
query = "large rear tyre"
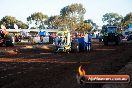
(118, 41)
(105, 40)
(1, 44)
(8, 43)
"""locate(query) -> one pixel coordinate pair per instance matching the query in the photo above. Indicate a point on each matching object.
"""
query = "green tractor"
(111, 34)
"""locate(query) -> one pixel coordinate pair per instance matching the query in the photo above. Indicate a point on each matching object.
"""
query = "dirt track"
(22, 67)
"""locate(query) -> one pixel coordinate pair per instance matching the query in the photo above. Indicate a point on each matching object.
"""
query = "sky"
(95, 9)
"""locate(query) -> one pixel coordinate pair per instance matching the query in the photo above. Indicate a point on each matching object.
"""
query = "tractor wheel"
(77, 48)
(105, 40)
(8, 43)
(118, 41)
(1, 44)
(67, 51)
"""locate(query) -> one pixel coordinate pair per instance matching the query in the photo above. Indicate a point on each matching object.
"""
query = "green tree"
(94, 25)
(84, 28)
(54, 21)
(126, 20)
(8, 21)
(112, 18)
(38, 18)
(21, 25)
(90, 21)
(72, 15)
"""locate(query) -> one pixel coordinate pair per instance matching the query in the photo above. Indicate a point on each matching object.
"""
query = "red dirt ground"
(35, 67)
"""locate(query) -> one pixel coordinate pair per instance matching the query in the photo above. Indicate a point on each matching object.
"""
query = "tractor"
(80, 44)
(111, 34)
(62, 42)
(5, 38)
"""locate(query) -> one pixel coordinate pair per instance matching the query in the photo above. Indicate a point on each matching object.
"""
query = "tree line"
(71, 17)
(117, 20)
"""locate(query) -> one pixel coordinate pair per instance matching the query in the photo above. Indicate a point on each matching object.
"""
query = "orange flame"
(81, 71)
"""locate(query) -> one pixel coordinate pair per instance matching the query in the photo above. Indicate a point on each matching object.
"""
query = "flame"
(81, 71)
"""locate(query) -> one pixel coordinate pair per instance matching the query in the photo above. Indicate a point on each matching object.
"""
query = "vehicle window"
(111, 29)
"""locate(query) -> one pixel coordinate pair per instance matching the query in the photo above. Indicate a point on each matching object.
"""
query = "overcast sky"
(95, 9)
